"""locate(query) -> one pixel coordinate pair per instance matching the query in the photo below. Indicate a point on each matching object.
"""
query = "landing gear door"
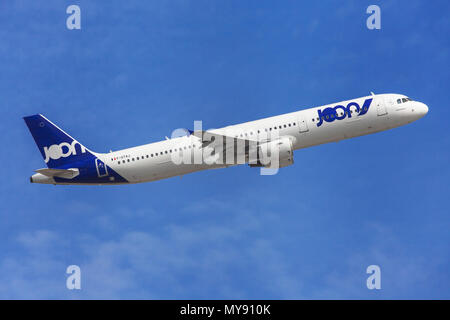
(102, 170)
(381, 107)
(302, 124)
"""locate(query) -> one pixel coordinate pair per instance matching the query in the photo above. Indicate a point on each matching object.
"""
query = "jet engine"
(274, 154)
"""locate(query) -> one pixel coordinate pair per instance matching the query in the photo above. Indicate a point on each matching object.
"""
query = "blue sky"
(137, 70)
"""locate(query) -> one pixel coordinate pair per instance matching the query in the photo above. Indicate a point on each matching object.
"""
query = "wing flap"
(225, 146)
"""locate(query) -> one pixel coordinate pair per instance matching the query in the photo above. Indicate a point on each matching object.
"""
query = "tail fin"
(57, 147)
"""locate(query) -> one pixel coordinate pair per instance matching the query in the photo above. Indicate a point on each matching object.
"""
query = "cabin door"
(101, 168)
(381, 106)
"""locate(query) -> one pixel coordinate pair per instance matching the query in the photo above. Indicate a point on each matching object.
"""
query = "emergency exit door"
(302, 124)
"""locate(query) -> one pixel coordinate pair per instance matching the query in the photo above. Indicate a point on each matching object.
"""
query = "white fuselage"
(153, 161)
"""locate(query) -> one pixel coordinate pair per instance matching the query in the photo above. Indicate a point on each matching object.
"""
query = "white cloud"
(178, 261)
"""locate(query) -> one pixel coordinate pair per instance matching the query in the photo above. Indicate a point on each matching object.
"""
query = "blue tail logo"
(57, 147)
(62, 150)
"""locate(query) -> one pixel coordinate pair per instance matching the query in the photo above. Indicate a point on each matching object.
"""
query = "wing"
(226, 146)
(209, 138)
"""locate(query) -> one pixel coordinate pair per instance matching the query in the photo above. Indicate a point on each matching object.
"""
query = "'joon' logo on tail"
(62, 150)
(339, 112)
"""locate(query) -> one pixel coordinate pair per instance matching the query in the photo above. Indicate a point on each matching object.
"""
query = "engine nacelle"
(274, 154)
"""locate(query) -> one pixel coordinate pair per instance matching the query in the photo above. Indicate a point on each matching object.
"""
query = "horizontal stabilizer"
(60, 173)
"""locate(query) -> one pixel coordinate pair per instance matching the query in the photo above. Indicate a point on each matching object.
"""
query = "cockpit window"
(402, 100)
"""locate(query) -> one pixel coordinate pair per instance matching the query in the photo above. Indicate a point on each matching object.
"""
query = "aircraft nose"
(422, 109)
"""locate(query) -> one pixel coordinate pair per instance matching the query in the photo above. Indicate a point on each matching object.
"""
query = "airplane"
(266, 143)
